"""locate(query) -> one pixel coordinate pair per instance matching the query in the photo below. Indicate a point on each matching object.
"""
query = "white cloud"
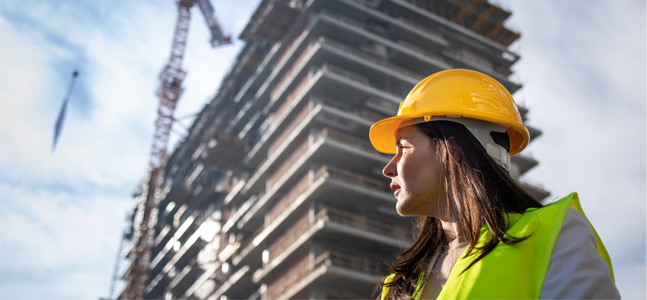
(52, 237)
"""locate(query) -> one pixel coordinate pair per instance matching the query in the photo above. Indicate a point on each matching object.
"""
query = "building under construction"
(276, 192)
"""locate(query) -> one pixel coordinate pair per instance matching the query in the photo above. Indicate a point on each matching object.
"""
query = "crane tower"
(170, 90)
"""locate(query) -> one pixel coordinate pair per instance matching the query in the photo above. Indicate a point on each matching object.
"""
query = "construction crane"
(137, 274)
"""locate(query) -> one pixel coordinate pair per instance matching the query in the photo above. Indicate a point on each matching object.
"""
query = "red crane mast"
(169, 92)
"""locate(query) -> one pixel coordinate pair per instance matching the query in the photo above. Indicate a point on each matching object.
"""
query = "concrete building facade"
(276, 192)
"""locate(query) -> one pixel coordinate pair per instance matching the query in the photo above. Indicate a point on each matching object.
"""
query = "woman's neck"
(452, 230)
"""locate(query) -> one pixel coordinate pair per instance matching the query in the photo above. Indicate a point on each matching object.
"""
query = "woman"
(479, 235)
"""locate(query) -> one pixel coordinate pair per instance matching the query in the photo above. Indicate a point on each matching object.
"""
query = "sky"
(62, 213)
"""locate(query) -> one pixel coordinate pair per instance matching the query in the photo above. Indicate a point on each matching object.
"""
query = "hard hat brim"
(382, 133)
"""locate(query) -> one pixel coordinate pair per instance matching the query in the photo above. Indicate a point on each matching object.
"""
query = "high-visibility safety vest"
(511, 271)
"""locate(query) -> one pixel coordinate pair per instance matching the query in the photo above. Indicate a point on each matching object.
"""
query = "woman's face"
(417, 175)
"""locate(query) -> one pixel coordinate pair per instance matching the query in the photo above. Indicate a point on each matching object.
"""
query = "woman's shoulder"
(576, 270)
(575, 230)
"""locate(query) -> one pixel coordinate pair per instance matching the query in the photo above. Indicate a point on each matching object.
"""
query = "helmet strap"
(480, 130)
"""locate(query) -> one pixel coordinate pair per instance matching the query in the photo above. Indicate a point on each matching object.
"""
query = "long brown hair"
(479, 192)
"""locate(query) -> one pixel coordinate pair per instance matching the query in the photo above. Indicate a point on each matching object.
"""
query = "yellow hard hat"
(454, 93)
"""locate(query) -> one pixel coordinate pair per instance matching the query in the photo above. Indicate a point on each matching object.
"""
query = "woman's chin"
(403, 210)
(398, 209)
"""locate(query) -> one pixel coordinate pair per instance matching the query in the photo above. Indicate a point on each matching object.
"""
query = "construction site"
(276, 191)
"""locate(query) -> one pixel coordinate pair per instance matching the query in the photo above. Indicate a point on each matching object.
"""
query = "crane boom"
(217, 37)
(170, 90)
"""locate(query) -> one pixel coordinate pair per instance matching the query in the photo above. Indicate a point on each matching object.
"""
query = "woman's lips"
(395, 187)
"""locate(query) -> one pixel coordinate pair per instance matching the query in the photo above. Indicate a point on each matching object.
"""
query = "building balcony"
(335, 185)
(235, 196)
(217, 275)
(337, 269)
(380, 74)
(184, 279)
(163, 257)
(236, 286)
(464, 59)
(212, 277)
(238, 213)
(354, 92)
(379, 22)
(340, 216)
(523, 164)
(451, 28)
(338, 226)
(155, 289)
(201, 288)
(397, 27)
(534, 133)
(175, 190)
(274, 62)
(209, 265)
(276, 176)
(182, 266)
(387, 32)
(303, 53)
(369, 61)
(163, 236)
(319, 115)
(175, 238)
(188, 240)
(353, 34)
(285, 55)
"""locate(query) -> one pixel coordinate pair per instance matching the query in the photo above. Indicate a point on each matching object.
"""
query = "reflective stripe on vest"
(511, 271)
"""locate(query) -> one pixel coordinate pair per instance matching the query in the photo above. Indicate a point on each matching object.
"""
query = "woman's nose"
(390, 169)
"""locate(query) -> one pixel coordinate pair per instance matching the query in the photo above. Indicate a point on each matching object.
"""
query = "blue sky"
(61, 214)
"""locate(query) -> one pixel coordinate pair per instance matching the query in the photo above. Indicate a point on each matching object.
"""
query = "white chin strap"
(480, 129)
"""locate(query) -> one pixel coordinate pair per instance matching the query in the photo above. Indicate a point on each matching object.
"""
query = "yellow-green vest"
(511, 271)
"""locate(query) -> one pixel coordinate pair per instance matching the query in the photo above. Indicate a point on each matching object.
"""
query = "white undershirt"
(575, 271)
